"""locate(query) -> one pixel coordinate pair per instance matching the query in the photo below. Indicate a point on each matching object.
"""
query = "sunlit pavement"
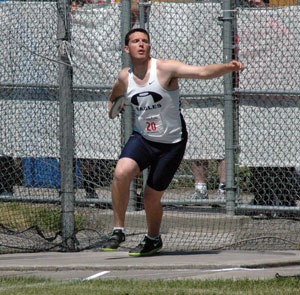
(91, 265)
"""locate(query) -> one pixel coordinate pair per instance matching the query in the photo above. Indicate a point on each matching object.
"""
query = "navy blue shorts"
(162, 159)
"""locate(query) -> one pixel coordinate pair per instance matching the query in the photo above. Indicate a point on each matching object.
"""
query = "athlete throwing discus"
(159, 133)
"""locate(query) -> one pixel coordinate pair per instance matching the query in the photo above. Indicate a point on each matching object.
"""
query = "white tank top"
(157, 111)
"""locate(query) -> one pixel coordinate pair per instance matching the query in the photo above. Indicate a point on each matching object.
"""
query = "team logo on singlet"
(146, 101)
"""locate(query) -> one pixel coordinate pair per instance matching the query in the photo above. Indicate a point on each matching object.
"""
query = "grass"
(45, 217)
(32, 286)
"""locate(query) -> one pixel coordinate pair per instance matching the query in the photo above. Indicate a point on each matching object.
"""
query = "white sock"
(152, 238)
(119, 228)
(200, 186)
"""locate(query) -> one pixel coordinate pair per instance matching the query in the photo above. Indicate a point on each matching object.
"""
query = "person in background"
(200, 171)
(135, 13)
(76, 4)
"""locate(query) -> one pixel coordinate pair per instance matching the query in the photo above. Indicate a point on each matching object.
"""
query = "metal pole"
(228, 107)
(66, 119)
(142, 13)
(127, 117)
(142, 6)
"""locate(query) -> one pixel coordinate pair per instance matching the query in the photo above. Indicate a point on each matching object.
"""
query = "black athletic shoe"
(147, 247)
(117, 237)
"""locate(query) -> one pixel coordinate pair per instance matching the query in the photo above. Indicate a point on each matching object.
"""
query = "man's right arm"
(119, 88)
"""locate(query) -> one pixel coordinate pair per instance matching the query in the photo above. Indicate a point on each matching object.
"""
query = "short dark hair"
(134, 31)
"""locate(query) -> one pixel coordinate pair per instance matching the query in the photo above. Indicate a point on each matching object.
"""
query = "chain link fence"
(59, 149)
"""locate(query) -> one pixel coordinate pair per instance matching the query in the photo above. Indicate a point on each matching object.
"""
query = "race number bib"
(152, 125)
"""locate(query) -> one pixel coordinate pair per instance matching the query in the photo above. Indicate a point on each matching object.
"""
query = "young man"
(159, 137)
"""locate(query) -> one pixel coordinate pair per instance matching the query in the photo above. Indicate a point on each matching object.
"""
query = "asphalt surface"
(92, 265)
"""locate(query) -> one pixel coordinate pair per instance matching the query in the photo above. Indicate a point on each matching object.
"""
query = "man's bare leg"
(154, 210)
(126, 170)
(152, 242)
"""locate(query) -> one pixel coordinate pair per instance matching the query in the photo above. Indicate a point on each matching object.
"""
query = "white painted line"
(230, 269)
(97, 275)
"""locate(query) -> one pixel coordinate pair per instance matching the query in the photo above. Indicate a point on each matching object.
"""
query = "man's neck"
(140, 68)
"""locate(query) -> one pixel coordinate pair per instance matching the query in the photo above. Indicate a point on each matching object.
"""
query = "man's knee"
(126, 169)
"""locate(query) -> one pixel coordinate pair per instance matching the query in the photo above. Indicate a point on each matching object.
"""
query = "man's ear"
(126, 49)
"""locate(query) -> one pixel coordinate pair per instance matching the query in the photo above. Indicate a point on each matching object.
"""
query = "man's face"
(138, 46)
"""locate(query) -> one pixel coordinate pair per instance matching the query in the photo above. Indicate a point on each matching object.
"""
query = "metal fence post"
(228, 107)
(127, 117)
(66, 119)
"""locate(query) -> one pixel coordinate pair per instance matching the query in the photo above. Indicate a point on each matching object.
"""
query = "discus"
(117, 107)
